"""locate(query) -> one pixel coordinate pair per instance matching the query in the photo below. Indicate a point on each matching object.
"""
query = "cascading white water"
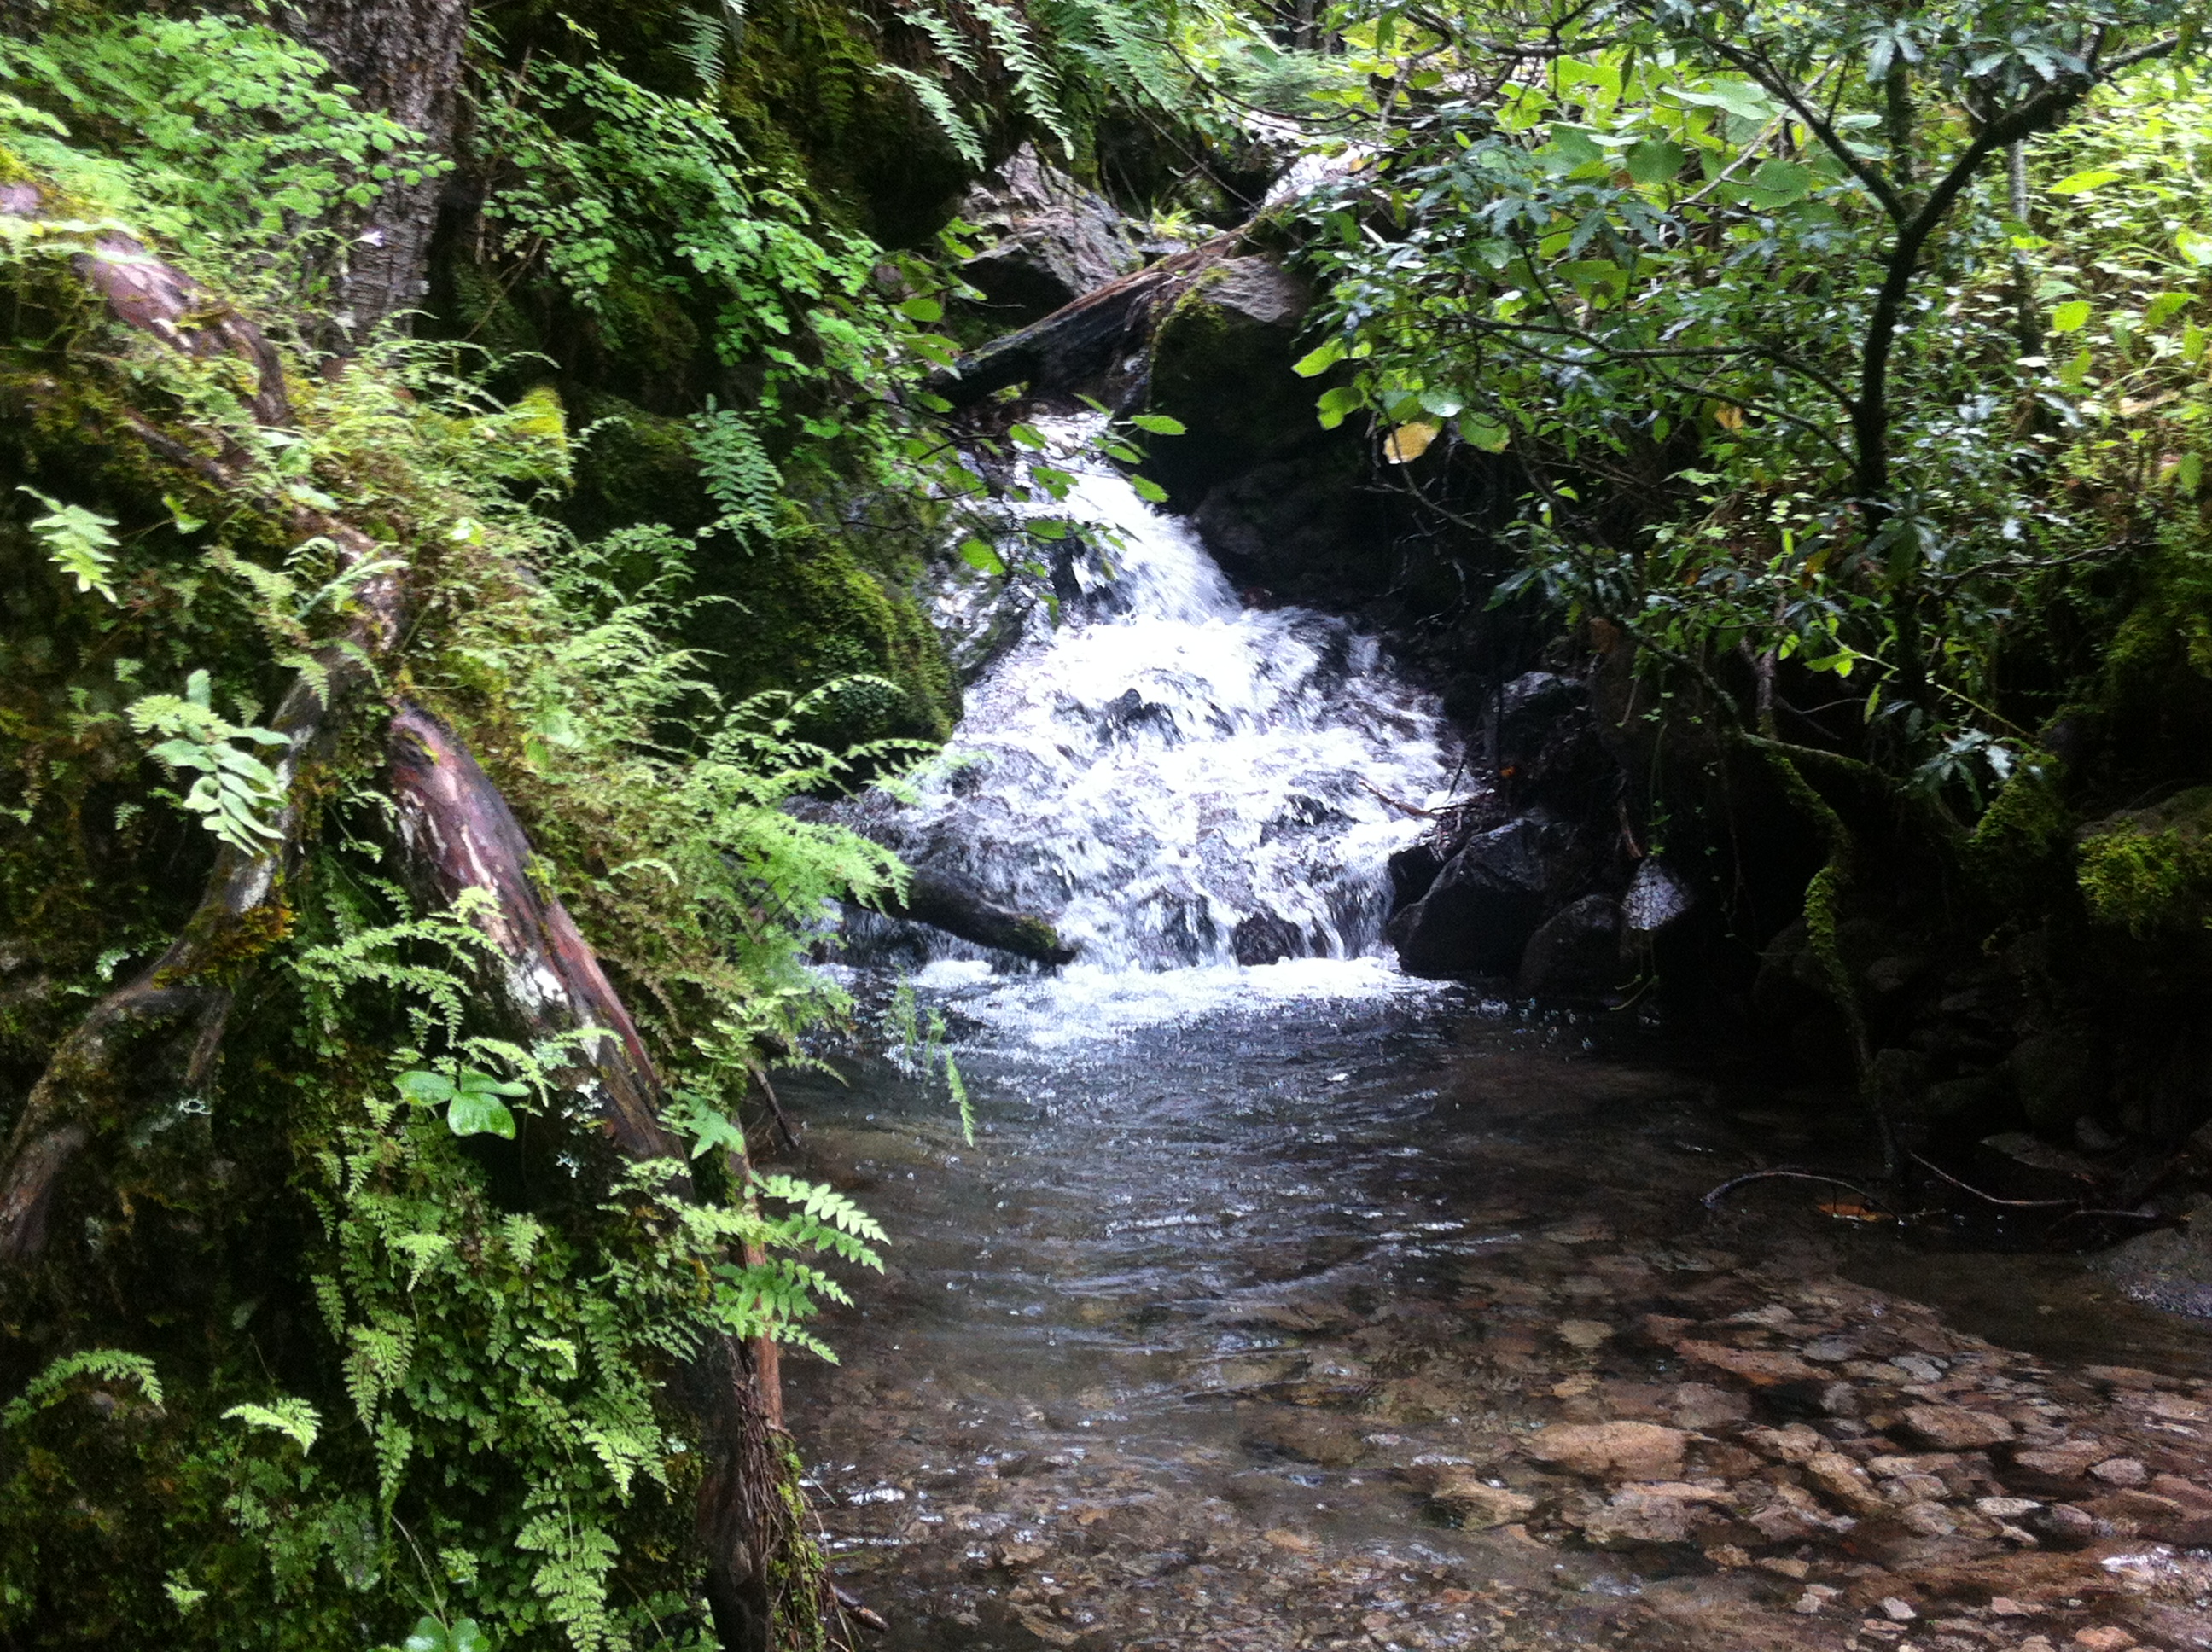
(1166, 764)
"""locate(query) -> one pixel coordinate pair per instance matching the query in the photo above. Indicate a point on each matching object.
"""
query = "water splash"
(1167, 765)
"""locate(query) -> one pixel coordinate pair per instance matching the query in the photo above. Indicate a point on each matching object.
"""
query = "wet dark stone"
(1478, 917)
(1263, 938)
(1413, 872)
(1129, 712)
(1576, 953)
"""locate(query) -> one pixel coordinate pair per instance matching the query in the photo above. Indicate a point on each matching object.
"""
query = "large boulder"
(1048, 240)
(1574, 952)
(1477, 918)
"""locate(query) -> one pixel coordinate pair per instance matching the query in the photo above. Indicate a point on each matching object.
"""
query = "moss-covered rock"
(804, 614)
(2150, 869)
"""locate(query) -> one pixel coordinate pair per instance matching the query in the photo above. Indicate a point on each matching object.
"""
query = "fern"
(107, 1364)
(939, 107)
(78, 543)
(236, 794)
(295, 1419)
(738, 474)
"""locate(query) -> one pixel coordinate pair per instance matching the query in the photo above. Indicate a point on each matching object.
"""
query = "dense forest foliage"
(469, 469)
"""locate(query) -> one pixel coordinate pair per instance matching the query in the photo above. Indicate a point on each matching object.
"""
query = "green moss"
(2024, 841)
(808, 614)
(2150, 869)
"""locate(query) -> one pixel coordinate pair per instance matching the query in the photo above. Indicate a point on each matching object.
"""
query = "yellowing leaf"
(2071, 316)
(1728, 415)
(1409, 441)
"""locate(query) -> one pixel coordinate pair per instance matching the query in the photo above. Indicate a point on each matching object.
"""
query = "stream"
(1309, 1305)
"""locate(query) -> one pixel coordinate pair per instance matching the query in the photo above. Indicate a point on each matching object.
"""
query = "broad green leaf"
(2189, 473)
(475, 1113)
(1442, 404)
(1780, 184)
(927, 310)
(1315, 362)
(981, 557)
(1576, 146)
(2164, 306)
(1336, 405)
(2194, 247)
(1149, 489)
(1656, 160)
(2081, 183)
(426, 1089)
(1159, 424)
(2071, 316)
(1485, 434)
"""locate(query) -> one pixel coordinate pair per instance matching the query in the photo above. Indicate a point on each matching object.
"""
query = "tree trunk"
(947, 904)
(403, 58)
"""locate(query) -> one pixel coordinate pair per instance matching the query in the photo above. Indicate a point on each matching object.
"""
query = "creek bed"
(1305, 1308)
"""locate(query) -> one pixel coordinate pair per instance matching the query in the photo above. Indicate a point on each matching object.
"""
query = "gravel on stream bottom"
(1544, 1401)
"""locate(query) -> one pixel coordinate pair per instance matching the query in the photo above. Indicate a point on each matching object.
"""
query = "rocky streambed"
(1353, 1317)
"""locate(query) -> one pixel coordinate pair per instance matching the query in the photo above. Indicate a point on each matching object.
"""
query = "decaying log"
(957, 908)
(457, 833)
(459, 836)
(1081, 341)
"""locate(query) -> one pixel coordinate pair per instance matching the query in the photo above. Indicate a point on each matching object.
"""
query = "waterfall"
(1177, 777)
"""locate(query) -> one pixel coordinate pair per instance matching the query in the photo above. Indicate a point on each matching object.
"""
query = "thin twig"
(1992, 1198)
(1712, 1200)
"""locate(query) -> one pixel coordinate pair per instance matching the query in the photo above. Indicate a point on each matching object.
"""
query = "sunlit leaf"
(1409, 441)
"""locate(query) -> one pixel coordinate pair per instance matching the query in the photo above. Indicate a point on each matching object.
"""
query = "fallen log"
(960, 909)
(1081, 341)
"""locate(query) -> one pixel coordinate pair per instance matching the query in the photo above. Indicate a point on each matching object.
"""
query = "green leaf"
(2070, 317)
(2194, 247)
(1485, 433)
(479, 1115)
(1159, 424)
(982, 557)
(426, 1089)
(927, 310)
(2081, 183)
(1149, 489)
(1313, 363)
(1656, 160)
(1780, 184)
(1336, 405)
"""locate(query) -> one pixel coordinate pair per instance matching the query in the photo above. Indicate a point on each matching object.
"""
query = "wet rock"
(1699, 1407)
(2057, 1077)
(1574, 952)
(1478, 1506)
(1758, 1366)
(2065, 1462)
(1308, 1436)
(1263, 938)
(1621, 1451)
(1051, 241)
(1845, 1481)
(2171, 1268)
(1657, 897)
(2066, 1524)
(1954, 1428)
(1478, 916)
(1413, 871)
(1130, 713)
(1639, 1514)
(2121, 1471)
